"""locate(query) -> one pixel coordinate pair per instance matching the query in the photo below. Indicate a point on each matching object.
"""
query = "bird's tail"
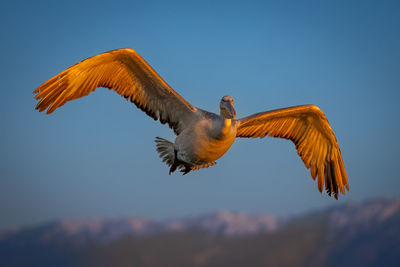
(167, 153)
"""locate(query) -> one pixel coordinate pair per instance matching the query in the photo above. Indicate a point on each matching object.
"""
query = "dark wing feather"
(125, 72)
(315, 142)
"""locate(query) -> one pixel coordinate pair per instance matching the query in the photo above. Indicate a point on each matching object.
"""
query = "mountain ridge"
(353, 234)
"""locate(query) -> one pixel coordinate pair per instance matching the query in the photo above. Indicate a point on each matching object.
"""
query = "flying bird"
(202, 136)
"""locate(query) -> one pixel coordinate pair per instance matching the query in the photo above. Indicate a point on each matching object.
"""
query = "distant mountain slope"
(366, 234)
(225, 223)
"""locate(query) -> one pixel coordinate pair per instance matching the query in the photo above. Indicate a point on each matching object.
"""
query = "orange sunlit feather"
(313, 137)
(125, 72)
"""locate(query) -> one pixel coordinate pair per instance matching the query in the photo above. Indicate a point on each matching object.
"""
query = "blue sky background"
(95, 157)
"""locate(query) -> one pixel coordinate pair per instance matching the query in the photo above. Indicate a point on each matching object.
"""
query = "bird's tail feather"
(168, 155)
(167, 152)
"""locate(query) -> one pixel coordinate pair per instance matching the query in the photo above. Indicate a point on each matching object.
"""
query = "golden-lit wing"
(315, 142)
(125, 72)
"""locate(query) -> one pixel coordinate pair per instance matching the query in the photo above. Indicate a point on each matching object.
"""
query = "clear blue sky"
(95, 157)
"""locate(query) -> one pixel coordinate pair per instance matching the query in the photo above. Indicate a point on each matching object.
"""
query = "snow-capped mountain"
(355, 234)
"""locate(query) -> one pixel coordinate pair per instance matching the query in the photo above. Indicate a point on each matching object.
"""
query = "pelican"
(202, 136)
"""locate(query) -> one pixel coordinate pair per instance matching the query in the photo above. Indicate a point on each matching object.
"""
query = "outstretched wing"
(315, 142)
(125, 72)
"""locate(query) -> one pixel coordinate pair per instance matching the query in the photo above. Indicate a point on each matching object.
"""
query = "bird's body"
(202, 136)
(206, 140)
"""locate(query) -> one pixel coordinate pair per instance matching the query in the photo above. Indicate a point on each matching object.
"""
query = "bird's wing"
(315, 142)
(128, 74)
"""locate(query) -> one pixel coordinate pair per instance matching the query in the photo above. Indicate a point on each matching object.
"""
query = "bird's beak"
(231, 111)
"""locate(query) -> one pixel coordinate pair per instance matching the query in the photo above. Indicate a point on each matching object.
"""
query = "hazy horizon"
(280, 218)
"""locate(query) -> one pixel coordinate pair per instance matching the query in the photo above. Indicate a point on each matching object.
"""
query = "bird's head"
(227, 108)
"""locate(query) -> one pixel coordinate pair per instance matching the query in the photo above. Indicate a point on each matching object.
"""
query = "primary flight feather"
(202, 137)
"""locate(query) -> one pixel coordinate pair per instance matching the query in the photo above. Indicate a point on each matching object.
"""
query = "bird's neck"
(226, 126)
